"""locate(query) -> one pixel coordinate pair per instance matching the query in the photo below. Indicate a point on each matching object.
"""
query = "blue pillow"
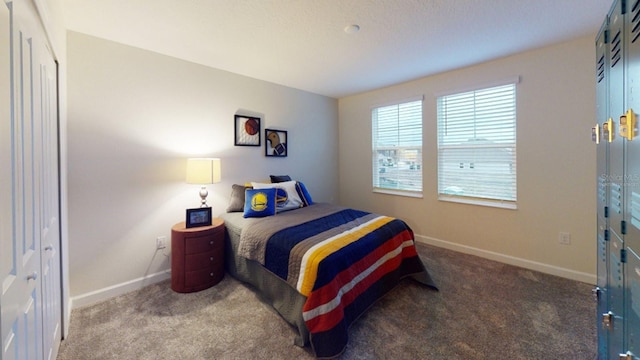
(279, 178)
(259, 202)
(304, 194)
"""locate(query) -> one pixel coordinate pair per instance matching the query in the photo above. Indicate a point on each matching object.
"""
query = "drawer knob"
(211, 274)
(211, 258)
(211, 242)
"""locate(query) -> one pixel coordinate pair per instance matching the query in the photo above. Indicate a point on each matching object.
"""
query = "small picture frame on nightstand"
(198, 217)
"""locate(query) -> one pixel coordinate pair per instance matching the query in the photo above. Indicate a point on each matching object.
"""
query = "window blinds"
(477, 144)
(397, 146)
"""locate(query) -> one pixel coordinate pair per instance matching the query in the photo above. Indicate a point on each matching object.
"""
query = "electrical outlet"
(161, 242)
(564, 238)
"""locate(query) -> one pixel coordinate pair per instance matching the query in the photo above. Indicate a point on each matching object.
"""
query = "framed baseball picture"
(275, 143)
(247, 131)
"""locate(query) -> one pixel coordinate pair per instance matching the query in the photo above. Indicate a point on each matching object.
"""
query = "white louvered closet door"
(29, 207)
(49, 206)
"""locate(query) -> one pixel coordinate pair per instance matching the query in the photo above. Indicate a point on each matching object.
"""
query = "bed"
(321, 266)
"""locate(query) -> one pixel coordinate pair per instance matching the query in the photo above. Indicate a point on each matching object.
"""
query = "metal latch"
(607, 320)
(596, 292)
(627, 356)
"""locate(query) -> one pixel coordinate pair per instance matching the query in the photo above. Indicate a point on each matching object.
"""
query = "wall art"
(247, 131)
(275, 143)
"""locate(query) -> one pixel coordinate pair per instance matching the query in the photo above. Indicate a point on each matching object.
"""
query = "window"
(397, 148)
(477, 146)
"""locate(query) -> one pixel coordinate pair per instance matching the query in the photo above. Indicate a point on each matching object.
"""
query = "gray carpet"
(484, 310)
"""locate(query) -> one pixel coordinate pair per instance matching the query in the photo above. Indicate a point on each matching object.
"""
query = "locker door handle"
(596, 293)
(628, 125)
(607, 320)
(627, 356)
(595, 134)
(607, 130)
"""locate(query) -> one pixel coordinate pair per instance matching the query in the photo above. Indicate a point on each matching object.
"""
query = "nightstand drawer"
(202, 244)
(204, 277)
(202, 261)
(197, 256)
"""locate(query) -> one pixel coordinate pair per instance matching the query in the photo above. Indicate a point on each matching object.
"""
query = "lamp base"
(203, 196)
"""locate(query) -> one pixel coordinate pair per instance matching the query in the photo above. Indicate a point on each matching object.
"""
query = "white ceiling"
(302, 43)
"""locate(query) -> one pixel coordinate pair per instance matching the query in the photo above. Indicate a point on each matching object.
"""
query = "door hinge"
(606, 235)
(623, 227)
(606, 212)
(623, 256)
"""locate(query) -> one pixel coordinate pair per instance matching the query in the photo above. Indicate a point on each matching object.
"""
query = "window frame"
(469, 199)
(375, 148)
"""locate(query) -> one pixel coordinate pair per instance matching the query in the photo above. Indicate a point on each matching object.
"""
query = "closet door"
(47, 114)
(30, 327)
(10, 314)
(21, 277)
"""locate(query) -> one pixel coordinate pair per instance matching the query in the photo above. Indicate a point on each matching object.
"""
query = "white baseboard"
(118, 289)
(123, 288)
(511, 260)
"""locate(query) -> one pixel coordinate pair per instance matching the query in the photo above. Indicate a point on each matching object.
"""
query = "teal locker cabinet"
(614, 320)
(618, 182)
(602, 110)
(632, 182)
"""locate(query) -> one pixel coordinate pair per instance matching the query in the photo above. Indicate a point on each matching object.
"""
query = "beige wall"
(556, 163)
(134, 117)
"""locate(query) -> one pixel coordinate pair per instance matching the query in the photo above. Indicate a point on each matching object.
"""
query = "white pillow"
(287, 197)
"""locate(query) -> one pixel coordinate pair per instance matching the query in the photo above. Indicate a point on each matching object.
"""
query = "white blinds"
(397, 146)
(477, 144)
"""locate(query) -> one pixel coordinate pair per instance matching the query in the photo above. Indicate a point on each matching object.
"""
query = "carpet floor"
(484, 310)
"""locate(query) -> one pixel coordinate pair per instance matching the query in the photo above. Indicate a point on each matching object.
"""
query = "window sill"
(510, 205)
(412, 194)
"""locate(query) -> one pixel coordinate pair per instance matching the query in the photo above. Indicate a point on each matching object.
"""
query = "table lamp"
(203, 171)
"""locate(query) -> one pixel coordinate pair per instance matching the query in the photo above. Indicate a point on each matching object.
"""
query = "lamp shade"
(203, 171)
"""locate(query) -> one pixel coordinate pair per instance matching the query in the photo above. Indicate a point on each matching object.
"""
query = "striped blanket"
(342, 260)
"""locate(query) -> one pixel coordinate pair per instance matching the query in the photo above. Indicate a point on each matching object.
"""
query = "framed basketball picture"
(247, 131)
(275, 143)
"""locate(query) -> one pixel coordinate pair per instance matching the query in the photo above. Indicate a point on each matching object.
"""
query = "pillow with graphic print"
(287, 196)
(259, 202)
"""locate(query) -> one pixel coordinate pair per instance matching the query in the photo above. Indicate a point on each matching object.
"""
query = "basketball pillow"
(259, 203)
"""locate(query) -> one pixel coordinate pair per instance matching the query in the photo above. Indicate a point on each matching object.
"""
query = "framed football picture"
(275, 143)
(247, 131)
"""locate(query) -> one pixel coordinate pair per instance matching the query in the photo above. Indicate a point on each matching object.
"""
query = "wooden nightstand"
(197, 256)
